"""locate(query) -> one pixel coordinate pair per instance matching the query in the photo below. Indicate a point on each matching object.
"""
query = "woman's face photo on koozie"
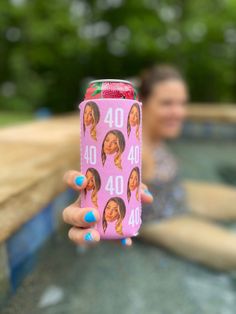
(93, 184)
(113, 144)
(134, 116)
(90, 179)
(133, 180)
(88, 116)
(112, 211)
(134, 120)
(91, 118)
(110, 144)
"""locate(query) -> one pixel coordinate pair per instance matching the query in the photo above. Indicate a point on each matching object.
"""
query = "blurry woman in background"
(94, 184)
(113, 143)
(134, 120)
(164, 94)
(114, 212)
(91, 118)
(133, 183)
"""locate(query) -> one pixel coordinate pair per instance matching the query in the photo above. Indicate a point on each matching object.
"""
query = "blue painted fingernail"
(89, 217)
(88, 237)
(79, 180)
(123, 241)
(147, 192)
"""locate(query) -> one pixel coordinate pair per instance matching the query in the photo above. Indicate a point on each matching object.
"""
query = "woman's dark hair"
(136, 169)
(122, 209)
(97, 183)
(157, 74)
(121, 148)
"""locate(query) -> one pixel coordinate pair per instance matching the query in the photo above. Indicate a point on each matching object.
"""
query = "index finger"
(146, 195)
(75, 179)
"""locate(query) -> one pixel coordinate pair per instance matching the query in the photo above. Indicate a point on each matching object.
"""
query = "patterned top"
(169, 195)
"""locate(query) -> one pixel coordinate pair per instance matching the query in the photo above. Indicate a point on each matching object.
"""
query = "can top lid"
(111, 80)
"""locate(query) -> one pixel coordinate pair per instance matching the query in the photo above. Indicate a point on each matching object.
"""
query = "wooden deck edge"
(225, 113)
(35, 157)
(211, 200)
(23, 206)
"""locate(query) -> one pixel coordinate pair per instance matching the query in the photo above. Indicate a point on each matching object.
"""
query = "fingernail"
(147, 192)
(88, 237)
(123, 241)
(89, 217)
(79, 180)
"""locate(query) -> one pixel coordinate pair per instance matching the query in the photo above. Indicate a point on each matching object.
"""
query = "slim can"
(111, 141)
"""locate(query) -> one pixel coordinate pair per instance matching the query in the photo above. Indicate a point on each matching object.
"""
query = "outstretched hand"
(83, 220)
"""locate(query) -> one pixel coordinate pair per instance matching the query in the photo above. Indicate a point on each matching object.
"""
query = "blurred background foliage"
(48, 47)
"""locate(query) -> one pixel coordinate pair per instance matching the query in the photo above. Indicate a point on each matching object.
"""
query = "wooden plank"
(34, 194)
(33, 160)
(28, 164)
(214, 201)
(212, 113)
(194, 238)
(52, 131)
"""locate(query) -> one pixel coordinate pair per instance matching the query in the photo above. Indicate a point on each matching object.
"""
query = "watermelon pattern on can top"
(111, 89)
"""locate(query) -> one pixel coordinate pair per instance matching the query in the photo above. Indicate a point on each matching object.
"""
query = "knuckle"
(64, 215)
(76, 218)
(71, 234)
(67, 176)
(97, 214)
(74, 235)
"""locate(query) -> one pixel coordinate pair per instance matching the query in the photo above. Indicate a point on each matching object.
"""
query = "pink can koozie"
(111, 138)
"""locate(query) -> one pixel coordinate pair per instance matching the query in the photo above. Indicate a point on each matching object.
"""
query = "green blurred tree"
(47, 48)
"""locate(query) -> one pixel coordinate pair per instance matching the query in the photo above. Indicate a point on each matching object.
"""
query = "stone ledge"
(212, 113)
(212, 200)
(35, 157)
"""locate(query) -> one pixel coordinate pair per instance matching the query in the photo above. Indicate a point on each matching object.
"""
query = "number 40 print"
(133, 155)
(90, 154)
(115, 185)
(134, 217)
(115, 117)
